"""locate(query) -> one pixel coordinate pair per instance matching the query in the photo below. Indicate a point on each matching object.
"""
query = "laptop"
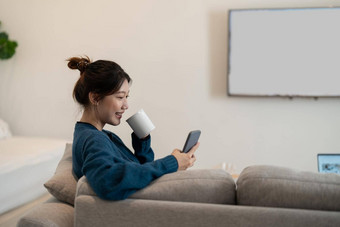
(329, 163)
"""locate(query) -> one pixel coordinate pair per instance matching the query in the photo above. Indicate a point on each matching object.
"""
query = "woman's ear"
(93, 98)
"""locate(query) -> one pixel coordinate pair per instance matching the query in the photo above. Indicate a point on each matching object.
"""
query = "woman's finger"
(194, 148)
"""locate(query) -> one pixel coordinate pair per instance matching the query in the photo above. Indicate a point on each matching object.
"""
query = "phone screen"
(191, 141)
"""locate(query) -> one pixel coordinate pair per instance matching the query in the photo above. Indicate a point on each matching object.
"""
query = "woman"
(112, 170)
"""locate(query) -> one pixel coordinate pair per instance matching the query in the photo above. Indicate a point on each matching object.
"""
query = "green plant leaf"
(7, 50)
(7, 47)
(3, 35)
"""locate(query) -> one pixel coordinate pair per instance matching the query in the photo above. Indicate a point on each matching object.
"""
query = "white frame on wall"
(284, 52)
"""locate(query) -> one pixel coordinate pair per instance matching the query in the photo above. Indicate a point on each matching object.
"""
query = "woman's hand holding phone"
(185, 160)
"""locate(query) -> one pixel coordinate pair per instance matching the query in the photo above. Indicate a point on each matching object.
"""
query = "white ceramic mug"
(141, 124)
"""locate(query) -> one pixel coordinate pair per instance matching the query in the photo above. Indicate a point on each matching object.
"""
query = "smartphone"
(191, 141)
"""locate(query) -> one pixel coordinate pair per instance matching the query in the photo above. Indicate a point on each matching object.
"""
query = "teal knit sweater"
(112, 170)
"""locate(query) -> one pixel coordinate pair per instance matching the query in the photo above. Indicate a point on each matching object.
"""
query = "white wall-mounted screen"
(284, 52)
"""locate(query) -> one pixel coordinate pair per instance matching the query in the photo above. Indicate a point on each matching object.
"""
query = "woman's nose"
(125, 105)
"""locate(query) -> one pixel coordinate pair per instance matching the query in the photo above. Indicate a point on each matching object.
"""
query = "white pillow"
(4, 130)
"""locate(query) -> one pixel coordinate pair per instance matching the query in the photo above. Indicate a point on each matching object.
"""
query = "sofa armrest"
(202, 186)
(51, 213)
(273, 186)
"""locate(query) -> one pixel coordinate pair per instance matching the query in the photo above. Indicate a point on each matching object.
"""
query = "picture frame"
(329, 163)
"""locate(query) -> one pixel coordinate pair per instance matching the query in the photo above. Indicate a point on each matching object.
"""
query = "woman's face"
(111, 107)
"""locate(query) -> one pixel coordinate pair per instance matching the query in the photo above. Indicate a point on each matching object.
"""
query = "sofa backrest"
(201, 186)
(273, 186)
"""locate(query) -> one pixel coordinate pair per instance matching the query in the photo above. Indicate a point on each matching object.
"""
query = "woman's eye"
(119, 97)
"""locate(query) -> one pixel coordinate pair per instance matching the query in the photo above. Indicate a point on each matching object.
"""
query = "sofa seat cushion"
(272, 186)
(201, 186)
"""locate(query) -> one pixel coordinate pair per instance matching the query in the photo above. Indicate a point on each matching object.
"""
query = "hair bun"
(79, 63)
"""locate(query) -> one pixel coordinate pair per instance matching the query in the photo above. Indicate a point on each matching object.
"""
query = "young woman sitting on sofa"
(112, 170)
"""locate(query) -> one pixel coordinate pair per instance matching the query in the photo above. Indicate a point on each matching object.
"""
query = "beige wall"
(176, 53)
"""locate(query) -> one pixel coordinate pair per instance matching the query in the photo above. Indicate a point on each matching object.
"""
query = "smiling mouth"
(119, 115)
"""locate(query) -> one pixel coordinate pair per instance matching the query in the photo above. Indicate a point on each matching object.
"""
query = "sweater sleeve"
(114, 178)
(142, 147)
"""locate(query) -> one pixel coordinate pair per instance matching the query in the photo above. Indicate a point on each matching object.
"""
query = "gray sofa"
(262, 196)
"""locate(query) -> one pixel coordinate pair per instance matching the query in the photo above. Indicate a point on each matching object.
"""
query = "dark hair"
(100, 77)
